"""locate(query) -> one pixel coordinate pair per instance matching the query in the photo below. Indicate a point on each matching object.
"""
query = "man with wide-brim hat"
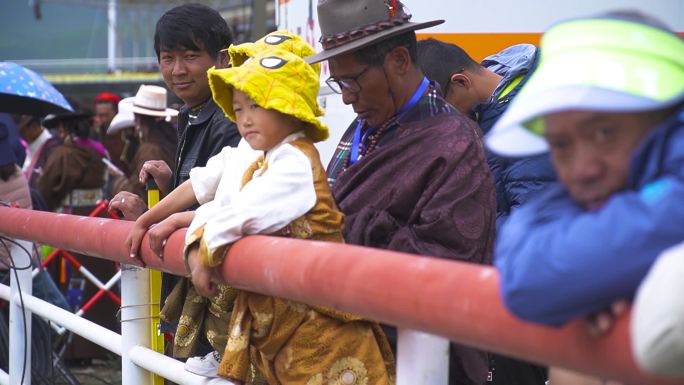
(410, 173)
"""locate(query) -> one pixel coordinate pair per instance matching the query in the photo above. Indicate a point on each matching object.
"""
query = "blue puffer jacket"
(559, 262)
(517, 180)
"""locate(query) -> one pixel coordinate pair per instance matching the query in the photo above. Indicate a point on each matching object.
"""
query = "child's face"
(263, 129)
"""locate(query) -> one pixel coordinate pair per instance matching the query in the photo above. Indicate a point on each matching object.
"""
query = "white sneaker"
(206, 366)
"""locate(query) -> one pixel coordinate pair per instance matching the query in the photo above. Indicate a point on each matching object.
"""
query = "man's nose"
(349, 97)
(179, 67)
(588, 166)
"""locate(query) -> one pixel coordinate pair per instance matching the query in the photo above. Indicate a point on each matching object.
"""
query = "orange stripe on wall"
(481, 45)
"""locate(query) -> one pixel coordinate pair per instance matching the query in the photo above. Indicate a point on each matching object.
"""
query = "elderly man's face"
(591, 151)
(373, 102)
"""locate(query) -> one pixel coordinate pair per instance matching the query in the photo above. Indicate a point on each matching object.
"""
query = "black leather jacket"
(201, 137)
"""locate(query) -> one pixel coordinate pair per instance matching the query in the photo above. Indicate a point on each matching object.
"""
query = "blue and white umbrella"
(23, 91)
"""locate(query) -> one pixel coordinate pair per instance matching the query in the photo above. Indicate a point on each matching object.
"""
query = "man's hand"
(130, 205)
(600, 323)
(160, 172)
(201, 276)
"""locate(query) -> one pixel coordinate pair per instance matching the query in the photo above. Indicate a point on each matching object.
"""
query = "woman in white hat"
(147, 113)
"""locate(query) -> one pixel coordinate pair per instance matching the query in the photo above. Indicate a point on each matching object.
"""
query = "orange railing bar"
(457, 300)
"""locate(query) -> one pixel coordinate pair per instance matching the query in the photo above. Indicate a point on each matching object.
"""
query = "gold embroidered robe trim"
(206, 256)
(292, 343)
(196, 314)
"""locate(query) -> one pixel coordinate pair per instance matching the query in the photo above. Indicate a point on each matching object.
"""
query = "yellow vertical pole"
(157, 337)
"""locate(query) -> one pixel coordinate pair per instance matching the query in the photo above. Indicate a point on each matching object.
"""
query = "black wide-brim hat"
(52, 121)
(349, 25)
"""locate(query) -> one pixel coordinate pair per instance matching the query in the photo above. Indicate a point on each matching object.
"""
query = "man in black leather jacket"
(187, 41)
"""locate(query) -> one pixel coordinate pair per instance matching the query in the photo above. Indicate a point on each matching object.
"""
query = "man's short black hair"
(192, 27)
(440, 60)
(374, 55)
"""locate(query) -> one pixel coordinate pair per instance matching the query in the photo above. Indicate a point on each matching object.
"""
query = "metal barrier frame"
(455, 300)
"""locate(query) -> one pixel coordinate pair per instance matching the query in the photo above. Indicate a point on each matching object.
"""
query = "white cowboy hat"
(151, 101)
(124, 118)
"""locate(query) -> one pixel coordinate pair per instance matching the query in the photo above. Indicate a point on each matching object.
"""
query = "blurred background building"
(86, 46)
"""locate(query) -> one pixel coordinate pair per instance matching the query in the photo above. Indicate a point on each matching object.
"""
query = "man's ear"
(460, 80)
(399, 60)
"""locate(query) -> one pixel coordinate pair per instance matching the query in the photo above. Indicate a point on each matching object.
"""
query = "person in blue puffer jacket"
(484, 91)
(607, 98)
(614, 124)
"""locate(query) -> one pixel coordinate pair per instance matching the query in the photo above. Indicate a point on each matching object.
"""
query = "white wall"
(494, 16)
(531, 15)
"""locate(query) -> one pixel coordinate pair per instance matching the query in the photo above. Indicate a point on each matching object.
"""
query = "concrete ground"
(98, 372)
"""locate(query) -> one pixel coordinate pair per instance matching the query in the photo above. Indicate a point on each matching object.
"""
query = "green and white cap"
(602, 64)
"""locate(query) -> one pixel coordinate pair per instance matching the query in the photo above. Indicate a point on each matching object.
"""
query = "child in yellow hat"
(272, 183)
(281, 40)
(198, 317)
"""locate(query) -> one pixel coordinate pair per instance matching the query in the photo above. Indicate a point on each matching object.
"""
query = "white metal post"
(135, 313)
(4, 378)
(422, 358)
(111, 35)
(20, 318)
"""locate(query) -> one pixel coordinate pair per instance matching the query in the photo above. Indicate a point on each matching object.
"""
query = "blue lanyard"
(357, 134)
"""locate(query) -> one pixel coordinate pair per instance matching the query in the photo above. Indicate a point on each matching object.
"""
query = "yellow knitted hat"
(277, 80)
(280, 40)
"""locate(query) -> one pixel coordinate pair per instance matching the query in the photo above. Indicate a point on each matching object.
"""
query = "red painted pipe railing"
(456, 300)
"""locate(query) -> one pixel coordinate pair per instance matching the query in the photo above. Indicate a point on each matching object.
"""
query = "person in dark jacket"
(14, 190)
(40, 144)
(615, 129)
(483, 92)
(444, 202)
(106, 107)
(146, 112)
(72, 182)
(74, 174)
(187, 41)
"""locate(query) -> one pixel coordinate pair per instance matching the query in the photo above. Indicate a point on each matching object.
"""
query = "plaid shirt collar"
(429, 105)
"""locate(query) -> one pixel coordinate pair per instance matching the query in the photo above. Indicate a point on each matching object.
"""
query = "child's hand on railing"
(135, 237)
(202, 276)
(159, 233)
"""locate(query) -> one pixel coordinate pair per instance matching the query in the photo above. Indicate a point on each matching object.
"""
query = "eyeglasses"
(350, 83)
